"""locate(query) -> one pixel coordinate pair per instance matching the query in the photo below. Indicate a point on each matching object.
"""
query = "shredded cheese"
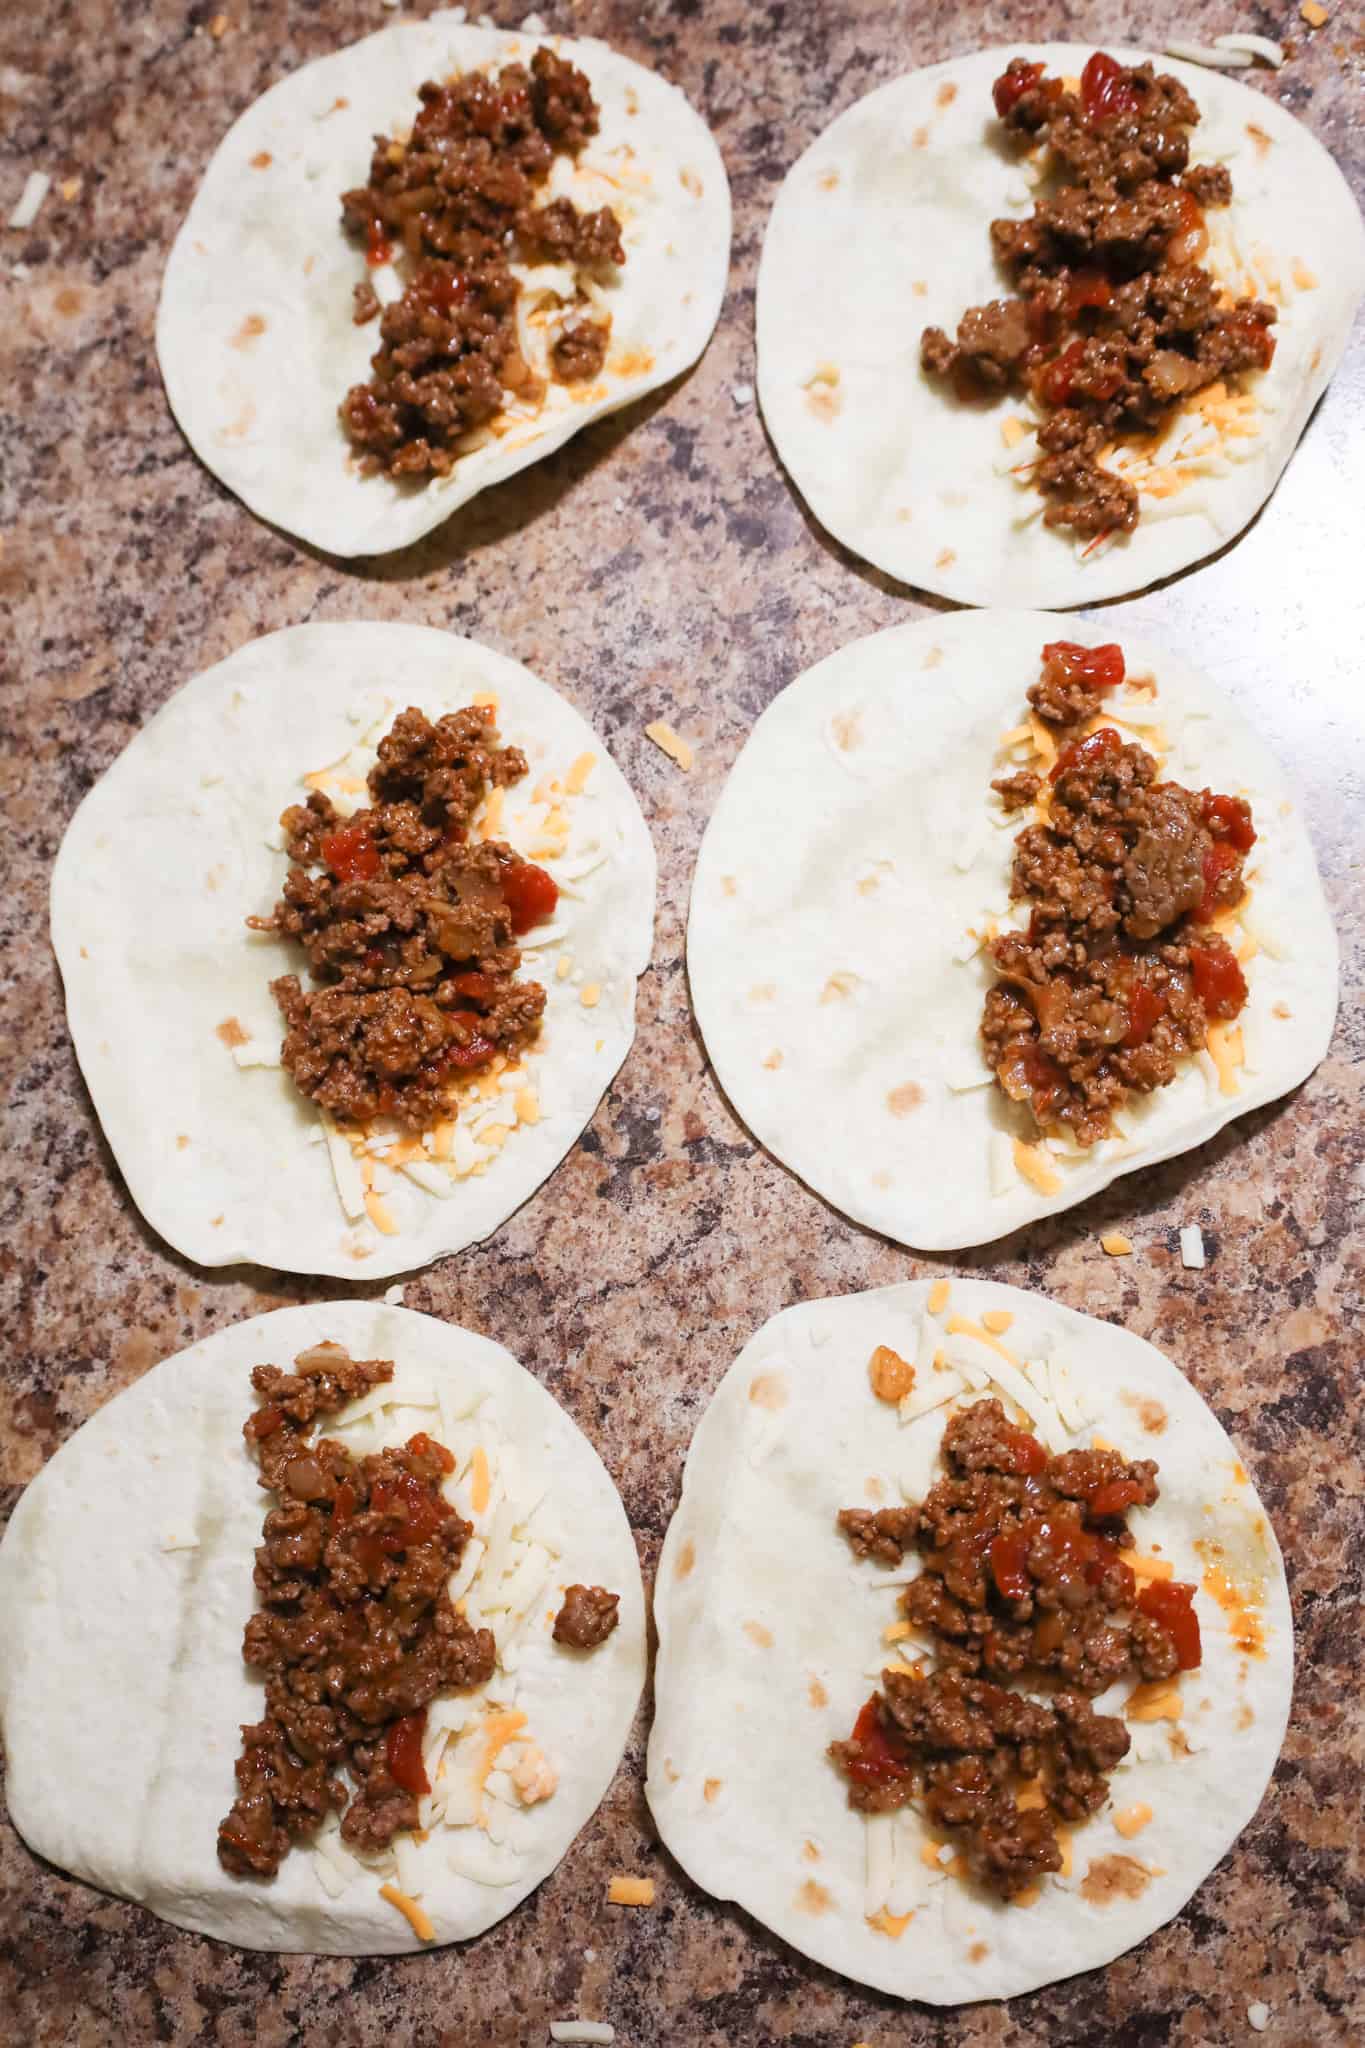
(892, 1924)
(1158, 1701)
(1132, 1820)
(1228, 1053)
(631, 1891)
(997, 1321)
(668, 742)
(576, 781)
(1029, 1162)
(1116, 1244)
(1192, 1246)
(938, 1297)
(380, 1214)
(480, 1484)
(1313, 14)
(411, 1911)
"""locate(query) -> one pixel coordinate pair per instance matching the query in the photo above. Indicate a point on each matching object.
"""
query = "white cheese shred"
(1212, 59)
(1255, 46)
(36, 189)
(582, 2030)
(1192, 1246)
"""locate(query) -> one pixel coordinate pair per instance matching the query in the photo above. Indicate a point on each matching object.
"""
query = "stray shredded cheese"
(631, 1891)
(411, 1911)
(668, 742)
(1315, 16)
(1116, 1244)
(1192, 1246)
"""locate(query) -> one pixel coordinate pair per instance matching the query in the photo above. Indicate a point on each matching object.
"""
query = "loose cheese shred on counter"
(1116, 1244)
(1315, 16)
(36, 188)
(583, 2030)
(669, 742)
(411, 1911)
(631, 1891)
(1029, 1162)
(1192, 1246)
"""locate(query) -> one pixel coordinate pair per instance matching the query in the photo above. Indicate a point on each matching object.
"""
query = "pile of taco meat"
(1118, 975)
(1113, 322)
(409, 929)
(355, 1633)
(454, 205)
(1023, 1578)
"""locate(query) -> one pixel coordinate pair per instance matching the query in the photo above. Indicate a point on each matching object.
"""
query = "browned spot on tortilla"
(1314, 363)
(847, 730)
(690, 182)
(757, 1634)
(945, 558)
(729, 886)
(336, 107)
(773, 1061)
(670, 1771)
(810, 1852)
(881, 1178)
(262, 160)
(874, 1489)
(768, 1390)
(904, 514)
(1259, 137)
(932, 658)
(920, 288)
(946, 93)
(812, 1898)
(687, 1557)
(816, 1694)
(920, 137)
(1114, 1877)
(978, 1952)
(839, 987)
(181, 1141)
(242, 425)
(216, 1222)
(636, 362)
(1245, 1717)
(902, 1100)
(1176, 1738)
(250, 329)
(1149, 1413)
(824, 401)
(84, 954)
(828, 180)
(762, 991)
(710, 1790)
(231, 1032)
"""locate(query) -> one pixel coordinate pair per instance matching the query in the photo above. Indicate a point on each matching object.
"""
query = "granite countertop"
(658, 567)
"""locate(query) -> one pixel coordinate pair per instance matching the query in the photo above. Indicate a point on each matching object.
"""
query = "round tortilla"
(890, 209)
(770, 1641)
(125, 1584)
(855, 846)
(178, 844)
(254, 334)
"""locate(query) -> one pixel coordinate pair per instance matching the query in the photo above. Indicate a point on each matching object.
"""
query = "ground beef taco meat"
(1024, 1580)
(454, 204)
(587, 1617)
(1113, 322)
(355, 1633)
(1118, 975)
(409, 929)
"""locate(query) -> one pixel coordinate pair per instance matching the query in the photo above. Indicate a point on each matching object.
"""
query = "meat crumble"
(355, 1633)
(587, 1618)
(1118, 975)
(1024, 1580)
(1113, 323)
(455, 205)
(409, 929)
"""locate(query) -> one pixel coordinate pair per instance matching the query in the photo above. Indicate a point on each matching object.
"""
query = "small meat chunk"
(882, 1533)
(587, 1618)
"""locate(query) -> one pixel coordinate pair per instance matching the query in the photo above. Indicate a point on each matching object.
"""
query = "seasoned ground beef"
(1118, 975)
(884, 1533)
(454, 205)
(1023, 1574)
(1113, 322)
(355, 1633)
(409, 930)
(587, 1617)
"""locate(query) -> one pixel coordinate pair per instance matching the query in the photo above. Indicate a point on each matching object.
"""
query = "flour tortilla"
(181, 832)
(266, 243)
(881, 229)
(122, 1689)
(770, 1641)
(852, 850)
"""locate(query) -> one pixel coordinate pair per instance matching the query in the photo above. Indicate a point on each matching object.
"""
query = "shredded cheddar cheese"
(631, 1891)
(1132, 1820)
(380, 1214)
(480, 1485)
(997, 1321)
(590, 996)
(1029, 1162)
(938, 1297)
(895, 1631)
(891, 1924)
(576, 781)
(963, 1326)
(1227, 1051)
(411, 1911)
(1116, 1244)
(668, 742)
(1157, 1701)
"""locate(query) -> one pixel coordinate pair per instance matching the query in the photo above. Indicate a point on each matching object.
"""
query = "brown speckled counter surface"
(658, 567)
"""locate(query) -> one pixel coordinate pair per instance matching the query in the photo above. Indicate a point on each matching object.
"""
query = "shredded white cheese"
(582, 2030)
(1258, 2015)
(1214, 60)
(36, 189)
(1255, 46)
(1192, 1246)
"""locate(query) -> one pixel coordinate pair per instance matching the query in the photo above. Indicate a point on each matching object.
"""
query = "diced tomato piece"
(1011, 85)
(474, 987)
(265, 1422)
(417, 1513)
(1098, 668)
(1086, 753)
(403, 1752)
(879, 1763)
(1009, 1565)
(1114, 1498)
(1105, 91)
(1220, 860)
(1145, 1006)
(1088, 288)
(378, 248)
(1172, 1604)
(531, 894)
(1055, 378)
(350, 853)
(1229, 817)
(424, 1446)
(1023, 1452)
(1219, 982)
(343, 1507)
(476, 1051)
